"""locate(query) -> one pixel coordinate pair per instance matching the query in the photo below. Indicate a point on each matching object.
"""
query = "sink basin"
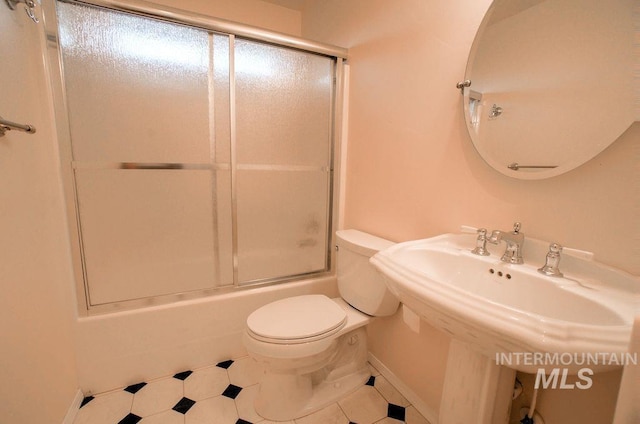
(507, 311)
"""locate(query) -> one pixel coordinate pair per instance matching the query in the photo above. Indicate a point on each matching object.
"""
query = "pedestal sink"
(504, 317)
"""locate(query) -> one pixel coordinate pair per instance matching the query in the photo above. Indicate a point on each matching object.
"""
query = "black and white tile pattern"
(224, 394)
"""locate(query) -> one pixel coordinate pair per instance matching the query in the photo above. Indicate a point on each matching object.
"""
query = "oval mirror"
(552, 83)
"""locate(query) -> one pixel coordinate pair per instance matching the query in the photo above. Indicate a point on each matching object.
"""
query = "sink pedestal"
(476, 389)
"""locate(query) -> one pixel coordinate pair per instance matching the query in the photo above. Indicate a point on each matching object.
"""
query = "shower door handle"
(163, 166)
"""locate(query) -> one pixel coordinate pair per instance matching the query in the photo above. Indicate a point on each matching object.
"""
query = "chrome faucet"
(552, 261)
(481, 243)
(514, 241)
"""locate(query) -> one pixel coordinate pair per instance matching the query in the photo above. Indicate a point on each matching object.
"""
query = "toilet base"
(272, 404)
(289, 394)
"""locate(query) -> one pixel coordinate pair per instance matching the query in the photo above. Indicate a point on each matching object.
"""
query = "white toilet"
(313, 348)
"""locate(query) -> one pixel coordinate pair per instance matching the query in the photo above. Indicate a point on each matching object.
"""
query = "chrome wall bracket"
(29, 7)
(462, 84)
(495, 111)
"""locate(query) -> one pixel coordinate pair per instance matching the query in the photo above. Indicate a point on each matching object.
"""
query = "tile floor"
(224, 394)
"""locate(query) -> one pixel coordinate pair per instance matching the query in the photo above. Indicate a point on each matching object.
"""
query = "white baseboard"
(73, 408)
(429, 413)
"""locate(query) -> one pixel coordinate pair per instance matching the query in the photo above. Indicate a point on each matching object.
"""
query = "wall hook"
(29, 7)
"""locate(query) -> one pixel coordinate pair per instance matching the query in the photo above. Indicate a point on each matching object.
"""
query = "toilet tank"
(360, 285)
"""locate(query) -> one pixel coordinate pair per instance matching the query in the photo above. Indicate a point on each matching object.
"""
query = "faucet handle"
(552, 261)
(481, 243)
(555, 248)
(516, 227)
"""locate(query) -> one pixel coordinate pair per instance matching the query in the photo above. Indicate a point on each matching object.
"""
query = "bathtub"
(122, 348)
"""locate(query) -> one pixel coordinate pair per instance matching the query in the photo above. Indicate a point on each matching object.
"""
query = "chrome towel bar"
(515, 166)
(8, 126)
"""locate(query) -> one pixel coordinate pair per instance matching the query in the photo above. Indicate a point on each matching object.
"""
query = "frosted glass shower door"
(150, 192)
(283, 146)
(200, 159)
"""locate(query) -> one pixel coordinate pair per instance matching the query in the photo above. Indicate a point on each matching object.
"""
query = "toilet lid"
(296, 318)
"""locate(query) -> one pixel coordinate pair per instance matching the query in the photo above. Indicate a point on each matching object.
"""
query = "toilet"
(313, 349)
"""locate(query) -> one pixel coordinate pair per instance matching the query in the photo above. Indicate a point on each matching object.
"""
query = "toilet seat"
(299, 319)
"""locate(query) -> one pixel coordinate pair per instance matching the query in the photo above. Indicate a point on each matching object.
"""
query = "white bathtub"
(118, 349)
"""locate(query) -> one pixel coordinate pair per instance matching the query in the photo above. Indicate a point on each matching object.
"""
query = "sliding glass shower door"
(200, 160)
(283, 120)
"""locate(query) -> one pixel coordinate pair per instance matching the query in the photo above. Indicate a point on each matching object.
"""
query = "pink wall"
(38, 379)
(250, 12)
(412, 171)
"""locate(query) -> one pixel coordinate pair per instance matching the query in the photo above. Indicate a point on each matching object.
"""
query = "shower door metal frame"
(53, 61)
(173, 15)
